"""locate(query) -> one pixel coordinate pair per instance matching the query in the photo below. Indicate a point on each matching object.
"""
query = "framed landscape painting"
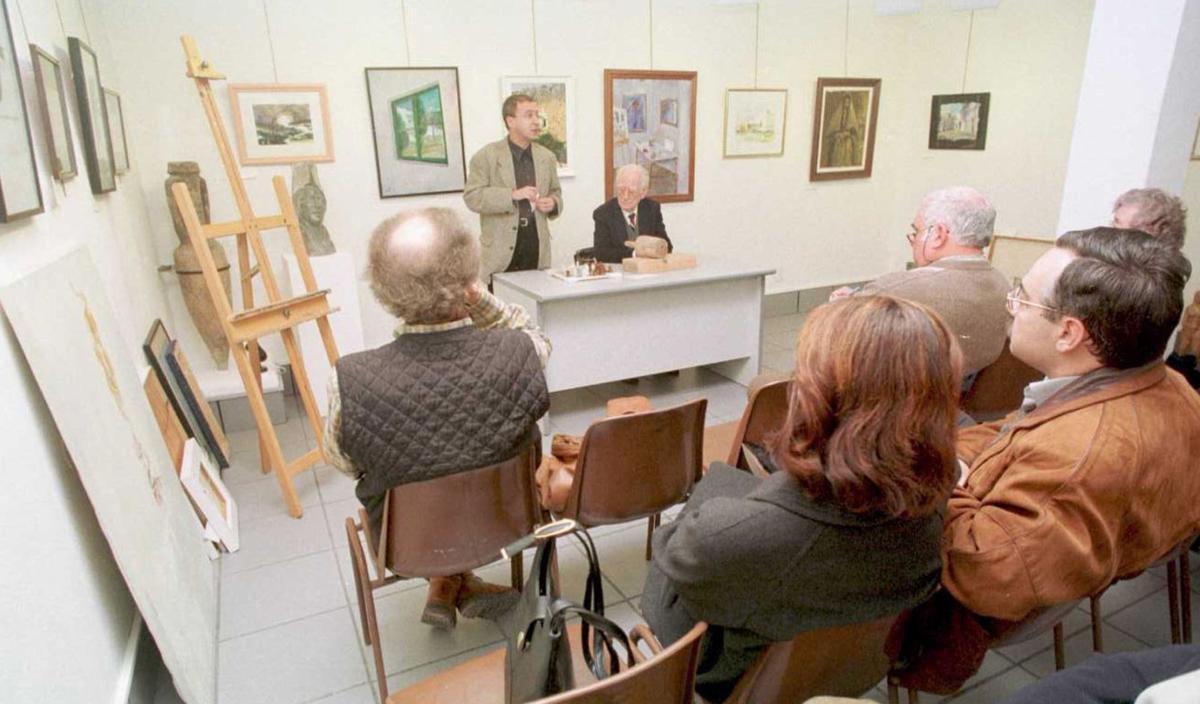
(843, 144)
(281, 123)
(20, 194)
(52, 104)
(650, 119)
(754, 122)
(959, 121)
(93, 120)
(555, 96)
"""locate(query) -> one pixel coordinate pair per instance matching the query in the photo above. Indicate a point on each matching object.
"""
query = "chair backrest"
(999, 387)
(636, 465)
(766, 412)
(455, 523)
(669, 677)
(841, 661)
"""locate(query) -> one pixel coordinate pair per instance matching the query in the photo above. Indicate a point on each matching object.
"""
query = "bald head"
(420, 264)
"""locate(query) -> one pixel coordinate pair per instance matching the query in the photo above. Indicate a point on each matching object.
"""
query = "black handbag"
(538, 655)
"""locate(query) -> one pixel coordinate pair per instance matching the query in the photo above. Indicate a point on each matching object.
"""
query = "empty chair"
(766, 411)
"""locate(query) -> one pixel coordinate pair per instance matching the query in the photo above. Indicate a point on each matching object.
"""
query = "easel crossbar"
(241, 227)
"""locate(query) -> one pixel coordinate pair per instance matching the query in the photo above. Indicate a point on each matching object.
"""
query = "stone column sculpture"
(310, 203)
(187, 266)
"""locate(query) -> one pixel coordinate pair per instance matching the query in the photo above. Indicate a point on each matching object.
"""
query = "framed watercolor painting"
(20, 193)
(555, 96)
(650, 119)
(52, 104)
(93, 120)
(959, 121)
(843, 144)
(755, 119)
(281, 123)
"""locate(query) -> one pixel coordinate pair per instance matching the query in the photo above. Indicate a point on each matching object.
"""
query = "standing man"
(513, 185)
(630, 214)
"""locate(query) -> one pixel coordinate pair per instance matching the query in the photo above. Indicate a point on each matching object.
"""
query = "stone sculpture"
(310, 203)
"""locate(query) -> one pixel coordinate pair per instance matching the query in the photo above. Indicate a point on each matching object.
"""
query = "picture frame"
(1013, 255)
(636, 134)
(959, 121)
(116, 128)
(845, 113)
(555, 96)
(415, 116)
(93, 118)
(20, 192)
(281, 123)
(206, 429)
(52, 104)
(1196, 144)
(155, 349)
(755, 122)
(210, 497)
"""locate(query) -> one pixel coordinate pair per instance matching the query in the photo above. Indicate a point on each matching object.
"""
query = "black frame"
(980, 141)
(62, 172)
(155, 348)
(120, 120)
(90, 116)
(5, 214)
(175, 371)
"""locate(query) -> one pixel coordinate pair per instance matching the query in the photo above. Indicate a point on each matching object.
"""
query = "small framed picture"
(843, 145)
(959, 121)
(52, 104)
(210, 497)
(116, 128)
(281, 123)
(93, 122)
(755, 119)
(20, 193)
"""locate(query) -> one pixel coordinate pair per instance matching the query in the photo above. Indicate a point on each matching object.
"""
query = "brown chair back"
(766, 412)
(840, 661)
(455, 523)
(999, 387)
(636, 465)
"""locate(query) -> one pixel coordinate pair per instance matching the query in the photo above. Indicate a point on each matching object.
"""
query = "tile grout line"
(281, 623)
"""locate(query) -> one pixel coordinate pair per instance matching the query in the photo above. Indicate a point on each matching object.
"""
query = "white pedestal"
(336, 273)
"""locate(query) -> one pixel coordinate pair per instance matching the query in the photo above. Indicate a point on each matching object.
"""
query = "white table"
(611, 329)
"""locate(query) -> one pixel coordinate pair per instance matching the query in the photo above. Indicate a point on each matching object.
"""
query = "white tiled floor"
(289, 629)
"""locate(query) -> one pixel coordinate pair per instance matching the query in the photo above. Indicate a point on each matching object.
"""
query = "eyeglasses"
(1014, 298)
(629, 191)
(912, 236)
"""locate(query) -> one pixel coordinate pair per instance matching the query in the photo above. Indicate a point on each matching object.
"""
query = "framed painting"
(52, 104)
(1012, 255)
(116, 128)
(416, 119)
(20, 194)
(1196, 144)
(843, 144)
(210, 497)
(959, 121)
(281, 123)
(555, 96)
(155, 349)
(755, 119)
(207, 431)
(93, 120)
(650, 119)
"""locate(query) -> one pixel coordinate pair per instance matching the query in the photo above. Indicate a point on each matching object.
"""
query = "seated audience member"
(953, 277)
(1153, 211)
(460, 387)
(1093, 478)
(630, 214)
(1169, 675)
(845, 530)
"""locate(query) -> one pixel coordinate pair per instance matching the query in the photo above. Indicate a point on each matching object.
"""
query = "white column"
(1138, 105)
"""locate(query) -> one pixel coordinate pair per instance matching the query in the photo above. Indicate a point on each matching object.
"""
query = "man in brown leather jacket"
(1093, 478)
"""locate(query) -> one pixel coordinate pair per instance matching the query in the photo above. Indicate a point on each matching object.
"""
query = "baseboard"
(800, 300)
(128, 662)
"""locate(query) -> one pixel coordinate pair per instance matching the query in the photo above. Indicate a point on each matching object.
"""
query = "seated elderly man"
(1093, 478)
(1153, 211)
(460, 387)
(953, 277)
(630, 214)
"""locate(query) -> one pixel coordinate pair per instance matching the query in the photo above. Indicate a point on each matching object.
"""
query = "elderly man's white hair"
(643, 176)
(962, 210)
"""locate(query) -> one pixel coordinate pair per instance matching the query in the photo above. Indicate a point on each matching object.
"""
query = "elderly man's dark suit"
(612, 229)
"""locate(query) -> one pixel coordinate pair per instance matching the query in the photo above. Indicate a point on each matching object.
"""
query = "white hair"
(964, 212)
(643, 176)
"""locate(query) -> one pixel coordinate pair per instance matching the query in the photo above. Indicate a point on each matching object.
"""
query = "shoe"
(480, 599)
(439, 605)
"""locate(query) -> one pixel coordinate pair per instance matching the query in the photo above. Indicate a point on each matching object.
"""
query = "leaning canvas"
(69, 334)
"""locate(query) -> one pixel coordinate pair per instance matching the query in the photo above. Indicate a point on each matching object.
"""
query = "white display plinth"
(336, 273)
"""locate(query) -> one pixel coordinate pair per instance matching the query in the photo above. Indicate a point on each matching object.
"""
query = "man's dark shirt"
(525, 253)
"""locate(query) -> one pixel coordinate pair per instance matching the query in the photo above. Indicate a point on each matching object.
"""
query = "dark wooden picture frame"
(120, 146)
(48, 73)
(959, 121)
(15, 132)
(664, 143)
(199, 414)
(843, 142)
(93, 117)
(155, 349)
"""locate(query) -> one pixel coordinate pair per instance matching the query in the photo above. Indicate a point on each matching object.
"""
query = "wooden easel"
(279, 315)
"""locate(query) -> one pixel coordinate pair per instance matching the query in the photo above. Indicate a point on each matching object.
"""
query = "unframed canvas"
(555, 96)
(20, 194)
(52, 103)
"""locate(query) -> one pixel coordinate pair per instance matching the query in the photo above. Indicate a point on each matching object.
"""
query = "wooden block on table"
(672, 262)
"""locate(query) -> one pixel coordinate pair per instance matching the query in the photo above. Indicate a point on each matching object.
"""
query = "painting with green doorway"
(419, 126)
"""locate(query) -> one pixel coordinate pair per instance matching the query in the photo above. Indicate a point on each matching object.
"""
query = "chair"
(637, 465)
(463, 521)
(766, 412)
(999, 387)
(841, 661)
(1179, 597)
(667, 676)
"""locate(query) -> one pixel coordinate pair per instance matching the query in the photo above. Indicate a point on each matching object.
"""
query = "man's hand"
(528, 193)
(545, 205)
(474, 292)
(843, 292)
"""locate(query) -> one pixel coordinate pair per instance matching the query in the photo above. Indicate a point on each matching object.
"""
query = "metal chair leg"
(1060, 654)
(1185, 595)
(893, 691)
(914, 696)
(1173, 600)
(651, 523)
(518, 570)
(1097, 626)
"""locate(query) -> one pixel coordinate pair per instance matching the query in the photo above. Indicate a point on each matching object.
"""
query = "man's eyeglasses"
(912, 236)
(1015, 298)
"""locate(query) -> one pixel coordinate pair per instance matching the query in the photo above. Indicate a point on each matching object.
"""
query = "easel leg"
(304, 386)
(266, 433)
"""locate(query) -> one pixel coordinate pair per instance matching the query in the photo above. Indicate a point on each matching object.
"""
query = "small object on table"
(649, 247)
(672, 262)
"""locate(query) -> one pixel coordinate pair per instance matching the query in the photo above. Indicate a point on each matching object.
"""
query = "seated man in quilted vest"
(1094, 478)
(460, 387)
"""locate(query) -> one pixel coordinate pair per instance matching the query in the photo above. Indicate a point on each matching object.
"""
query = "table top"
(541, 286)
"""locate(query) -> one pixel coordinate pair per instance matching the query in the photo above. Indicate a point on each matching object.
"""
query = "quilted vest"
(431, 404)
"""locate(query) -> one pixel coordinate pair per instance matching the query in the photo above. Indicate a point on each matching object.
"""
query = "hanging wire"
(846, 45)
(533, 28)
(651, 44)
(407, 43)
(757, 39)
(967, 56)
(270, 42)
